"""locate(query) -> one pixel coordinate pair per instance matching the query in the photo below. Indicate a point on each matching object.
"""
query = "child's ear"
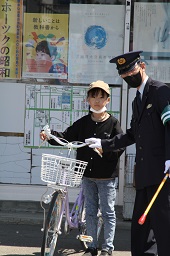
(108, 100)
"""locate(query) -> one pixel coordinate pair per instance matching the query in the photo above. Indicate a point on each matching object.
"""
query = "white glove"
(93, 142)
(167, 167)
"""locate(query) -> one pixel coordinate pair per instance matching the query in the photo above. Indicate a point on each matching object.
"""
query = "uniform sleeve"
(120, 141)
(118, 130)
(163, 98)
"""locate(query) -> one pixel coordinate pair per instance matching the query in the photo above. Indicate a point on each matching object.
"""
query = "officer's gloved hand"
(167, 167)
(93, 142)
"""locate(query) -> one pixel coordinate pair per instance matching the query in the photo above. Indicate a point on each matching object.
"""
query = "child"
(100, 173)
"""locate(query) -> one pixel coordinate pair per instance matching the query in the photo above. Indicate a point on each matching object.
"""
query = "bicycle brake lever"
(46, 127)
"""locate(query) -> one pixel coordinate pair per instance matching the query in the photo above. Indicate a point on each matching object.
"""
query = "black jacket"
(84, 128)
(152, 138)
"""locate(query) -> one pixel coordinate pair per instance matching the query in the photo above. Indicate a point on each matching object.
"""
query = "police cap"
(127, 61)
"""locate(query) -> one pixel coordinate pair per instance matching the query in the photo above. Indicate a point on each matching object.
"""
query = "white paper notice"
(96, 35)
(152, 35)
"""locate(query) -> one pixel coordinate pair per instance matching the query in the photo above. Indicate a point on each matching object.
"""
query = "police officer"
(150, 130)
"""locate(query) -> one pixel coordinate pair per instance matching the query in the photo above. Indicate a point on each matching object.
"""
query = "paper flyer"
(45, 45)
(153, 19)
(96, 35)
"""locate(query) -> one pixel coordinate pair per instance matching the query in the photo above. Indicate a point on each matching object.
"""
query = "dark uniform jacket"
(151, 136)
(85, 127)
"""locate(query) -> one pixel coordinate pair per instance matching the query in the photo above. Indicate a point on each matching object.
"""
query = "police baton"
(143, 217)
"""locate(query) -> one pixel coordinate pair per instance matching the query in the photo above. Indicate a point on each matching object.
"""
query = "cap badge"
(121, 61)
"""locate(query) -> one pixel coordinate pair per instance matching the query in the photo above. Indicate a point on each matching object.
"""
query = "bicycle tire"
(52, 228)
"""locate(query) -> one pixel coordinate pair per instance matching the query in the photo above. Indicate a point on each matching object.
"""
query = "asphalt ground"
(19, 238)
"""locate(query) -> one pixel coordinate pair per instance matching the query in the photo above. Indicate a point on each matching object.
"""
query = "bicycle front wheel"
(52, 226)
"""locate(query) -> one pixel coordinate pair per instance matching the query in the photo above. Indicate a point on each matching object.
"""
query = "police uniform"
(150, 130)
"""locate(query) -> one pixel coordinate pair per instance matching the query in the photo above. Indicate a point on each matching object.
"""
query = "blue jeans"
(100, 191)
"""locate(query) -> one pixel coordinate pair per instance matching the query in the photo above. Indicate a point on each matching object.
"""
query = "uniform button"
(94, 133)
(90, 170)
(139, 136)
(140, 148)
(96, 123)
(91, 158)
(141, 159)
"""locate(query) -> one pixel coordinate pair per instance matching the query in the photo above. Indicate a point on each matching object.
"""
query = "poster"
(10, 39)
(59, 106)
(96, 35)
(153, 19)
(45, 45)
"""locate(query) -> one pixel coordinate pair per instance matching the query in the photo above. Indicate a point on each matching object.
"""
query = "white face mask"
(98, 111)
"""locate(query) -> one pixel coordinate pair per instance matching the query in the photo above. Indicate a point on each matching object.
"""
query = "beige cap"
(101, 85)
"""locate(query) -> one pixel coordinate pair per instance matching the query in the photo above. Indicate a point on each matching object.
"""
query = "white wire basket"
(61, 170)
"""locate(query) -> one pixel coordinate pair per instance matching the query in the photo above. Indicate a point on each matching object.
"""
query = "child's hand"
(43, 136)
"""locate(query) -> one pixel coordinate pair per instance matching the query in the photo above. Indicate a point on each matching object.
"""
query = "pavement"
(20, 234)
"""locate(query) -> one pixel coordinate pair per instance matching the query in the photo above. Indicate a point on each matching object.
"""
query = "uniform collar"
(141, 89)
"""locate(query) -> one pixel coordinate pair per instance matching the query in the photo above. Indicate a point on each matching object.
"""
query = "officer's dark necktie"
(139, 101)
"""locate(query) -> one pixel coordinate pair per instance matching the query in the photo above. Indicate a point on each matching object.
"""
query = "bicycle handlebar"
(70, 145)
(74, 144)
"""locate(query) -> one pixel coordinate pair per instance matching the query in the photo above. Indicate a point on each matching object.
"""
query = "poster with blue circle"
(96, 35)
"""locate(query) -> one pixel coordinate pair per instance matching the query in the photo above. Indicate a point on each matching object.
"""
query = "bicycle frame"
(72, 217)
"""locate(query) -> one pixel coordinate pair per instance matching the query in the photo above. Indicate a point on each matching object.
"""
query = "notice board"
(59, 106)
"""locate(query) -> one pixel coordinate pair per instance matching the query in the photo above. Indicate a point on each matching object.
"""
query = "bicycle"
(60, 173)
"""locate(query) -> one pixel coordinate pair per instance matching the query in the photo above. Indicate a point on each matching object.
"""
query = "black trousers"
(153, 237)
